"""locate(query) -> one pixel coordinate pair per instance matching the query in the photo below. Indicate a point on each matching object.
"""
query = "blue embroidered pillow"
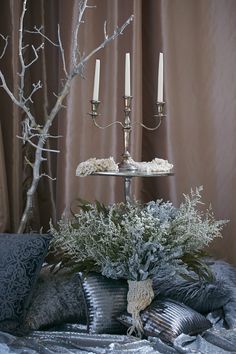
(21, 258)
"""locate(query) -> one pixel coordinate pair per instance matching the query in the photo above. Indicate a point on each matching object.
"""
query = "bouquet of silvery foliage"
(134, 241)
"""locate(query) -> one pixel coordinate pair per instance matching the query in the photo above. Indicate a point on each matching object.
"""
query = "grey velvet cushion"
(21, 258)
(201, 295)
(226, 274)
(57, 299)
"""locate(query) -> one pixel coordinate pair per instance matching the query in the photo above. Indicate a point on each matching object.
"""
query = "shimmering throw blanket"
(73, 339)
(214, 341)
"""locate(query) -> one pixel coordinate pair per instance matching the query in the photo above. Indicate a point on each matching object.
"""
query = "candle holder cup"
(94, 105)
(160, 109)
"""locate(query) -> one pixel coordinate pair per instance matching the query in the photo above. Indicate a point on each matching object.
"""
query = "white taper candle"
(127, 75)
(160, 79)
(96, 80)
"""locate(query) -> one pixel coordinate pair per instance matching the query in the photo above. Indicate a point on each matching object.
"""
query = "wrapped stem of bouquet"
(135, 242)
(140, 295)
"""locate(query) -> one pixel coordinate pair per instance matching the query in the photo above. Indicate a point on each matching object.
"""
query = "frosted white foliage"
(135, 241)
(156, 165)
(96, 165)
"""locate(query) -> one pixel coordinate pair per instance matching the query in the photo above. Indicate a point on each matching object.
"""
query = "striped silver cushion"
(167, 319)
(105, 300)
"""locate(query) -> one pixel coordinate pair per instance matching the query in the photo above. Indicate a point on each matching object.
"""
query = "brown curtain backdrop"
(198, 39)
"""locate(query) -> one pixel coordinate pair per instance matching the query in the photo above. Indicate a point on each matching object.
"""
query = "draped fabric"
(198, 39)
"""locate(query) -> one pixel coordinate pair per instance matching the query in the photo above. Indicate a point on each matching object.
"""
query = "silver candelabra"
(126, 164)
(127, 169)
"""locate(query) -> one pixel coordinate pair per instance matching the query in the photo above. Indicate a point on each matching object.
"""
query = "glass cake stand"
(128, 175)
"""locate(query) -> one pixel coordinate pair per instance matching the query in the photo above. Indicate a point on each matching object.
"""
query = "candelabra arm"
(94, 114)
(108, 125)
(154, 128)
(160, 115)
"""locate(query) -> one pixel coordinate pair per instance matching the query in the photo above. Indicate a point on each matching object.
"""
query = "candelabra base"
(127, 166)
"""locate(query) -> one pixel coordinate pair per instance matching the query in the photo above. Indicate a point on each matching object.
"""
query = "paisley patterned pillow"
(21, 258)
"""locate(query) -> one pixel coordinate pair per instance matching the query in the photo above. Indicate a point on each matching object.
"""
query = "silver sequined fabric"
(215, 341)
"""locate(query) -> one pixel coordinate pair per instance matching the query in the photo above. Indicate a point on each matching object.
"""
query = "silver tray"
(133, 174)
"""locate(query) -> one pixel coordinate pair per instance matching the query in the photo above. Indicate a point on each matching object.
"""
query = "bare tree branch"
(39, 31)
(75, 50)
(47, 136)
(36, 87)
(5, 45)
(34, 134)
(105, 30)
(36, 146)
(45, 175)
(31, 164)
(43, 159)
(15, 101)
(36, 56)
(61, 50)
(21, 46)
(116, 33)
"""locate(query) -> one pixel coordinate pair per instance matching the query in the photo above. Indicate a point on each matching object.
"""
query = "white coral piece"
(94, 165)
(156, 165)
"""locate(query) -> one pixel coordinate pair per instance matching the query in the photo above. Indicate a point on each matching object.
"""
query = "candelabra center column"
(126, 163)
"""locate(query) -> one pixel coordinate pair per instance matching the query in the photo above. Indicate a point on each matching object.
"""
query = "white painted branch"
(33, 60)
(25, 46)
(36, 87)
(107, 39)
(31, 164)
(36, 135)
(75, 46)
(36, 146)
(22, 62)
(41, 148)
(47, 136)
(14, 99)
(61, 50)
(39, 31)
(54, 136)
(105, 30)
(5, 46)
(46, 175)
